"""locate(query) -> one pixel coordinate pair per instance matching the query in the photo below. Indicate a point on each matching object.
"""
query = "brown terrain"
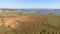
(13, 22)
(27, 24)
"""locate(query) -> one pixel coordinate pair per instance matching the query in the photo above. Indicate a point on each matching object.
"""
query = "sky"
(54, 4)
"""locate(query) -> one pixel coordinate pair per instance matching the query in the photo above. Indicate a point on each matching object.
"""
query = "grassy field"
(19, 23)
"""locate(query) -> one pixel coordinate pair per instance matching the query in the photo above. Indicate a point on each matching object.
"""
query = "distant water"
(55, 11)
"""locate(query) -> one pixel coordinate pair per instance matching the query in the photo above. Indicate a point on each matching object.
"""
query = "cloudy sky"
(30, 4)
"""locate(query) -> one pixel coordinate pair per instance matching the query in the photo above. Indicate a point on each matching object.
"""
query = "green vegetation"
(10, 14)
(11, 32)
(47, 24)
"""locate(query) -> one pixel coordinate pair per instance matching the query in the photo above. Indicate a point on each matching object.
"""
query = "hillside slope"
(30, 24)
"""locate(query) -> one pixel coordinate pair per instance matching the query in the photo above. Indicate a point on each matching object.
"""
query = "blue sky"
(30, 4)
